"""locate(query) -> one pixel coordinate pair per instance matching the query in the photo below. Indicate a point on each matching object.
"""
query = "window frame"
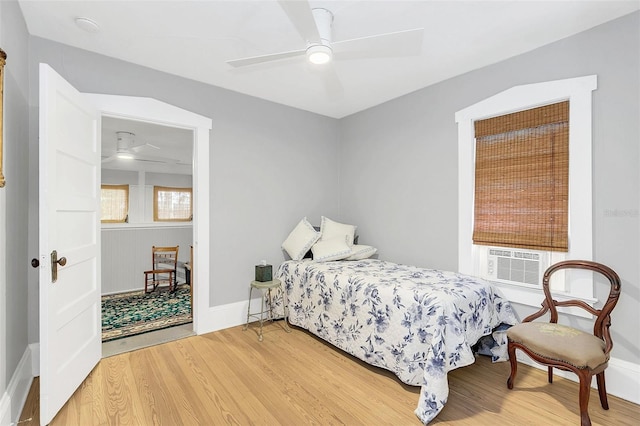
(125, 188)
(578, 91)
(157, 189)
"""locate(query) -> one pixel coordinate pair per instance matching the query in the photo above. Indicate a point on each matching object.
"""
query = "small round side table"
(265, 287)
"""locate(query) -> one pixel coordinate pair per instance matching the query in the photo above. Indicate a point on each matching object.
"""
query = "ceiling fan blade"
(147, 160)
(388, 45)
(137, 148)
(108, 159)
(151, 159)
(265, 58)
(301, 16)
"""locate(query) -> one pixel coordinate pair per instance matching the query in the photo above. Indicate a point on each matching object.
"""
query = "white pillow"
(330, 229)
(359, 252)
(331, 249)
(300, 239)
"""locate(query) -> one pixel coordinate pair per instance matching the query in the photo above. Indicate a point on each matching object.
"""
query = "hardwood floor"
(228, 377)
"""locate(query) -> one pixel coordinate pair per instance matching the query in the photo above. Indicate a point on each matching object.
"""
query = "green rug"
(128, 314)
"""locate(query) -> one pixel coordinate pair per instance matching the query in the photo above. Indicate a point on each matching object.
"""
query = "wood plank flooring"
(228, 377)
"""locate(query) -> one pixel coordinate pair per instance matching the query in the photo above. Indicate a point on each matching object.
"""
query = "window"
(522, 179)
(577, 91)
(114, 203)
(172, 204)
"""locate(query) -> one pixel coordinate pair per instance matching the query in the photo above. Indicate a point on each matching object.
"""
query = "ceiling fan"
(314, 25)
(127, 149)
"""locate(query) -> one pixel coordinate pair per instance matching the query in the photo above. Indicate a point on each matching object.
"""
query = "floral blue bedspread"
(417, 323)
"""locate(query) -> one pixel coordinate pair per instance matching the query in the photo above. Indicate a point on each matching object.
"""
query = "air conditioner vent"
(515, 266)
(517, 270)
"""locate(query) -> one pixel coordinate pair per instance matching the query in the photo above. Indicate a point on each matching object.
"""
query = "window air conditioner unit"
(515, 266)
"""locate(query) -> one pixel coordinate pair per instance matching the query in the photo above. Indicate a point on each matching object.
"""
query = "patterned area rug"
(127, 314)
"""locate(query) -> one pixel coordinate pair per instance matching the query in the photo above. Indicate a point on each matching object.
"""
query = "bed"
(417, 323)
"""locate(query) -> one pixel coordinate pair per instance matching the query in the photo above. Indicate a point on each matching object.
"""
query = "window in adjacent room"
(114, 203)
(172, 204)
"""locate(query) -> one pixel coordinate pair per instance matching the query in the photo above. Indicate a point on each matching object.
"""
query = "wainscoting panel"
(126, 254)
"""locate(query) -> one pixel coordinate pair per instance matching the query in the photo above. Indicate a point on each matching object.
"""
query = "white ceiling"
(195, 39)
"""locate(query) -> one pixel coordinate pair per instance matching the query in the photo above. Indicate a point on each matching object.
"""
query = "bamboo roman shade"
(172, 204)
(522, 179)
(114, 203)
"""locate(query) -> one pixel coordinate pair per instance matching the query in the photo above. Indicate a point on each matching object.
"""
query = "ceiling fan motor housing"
(320, 52)
(125, 141)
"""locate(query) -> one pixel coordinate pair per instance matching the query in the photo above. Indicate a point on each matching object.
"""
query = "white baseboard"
(225, 316)
(5, 410)
(13, 399)
(622, 377)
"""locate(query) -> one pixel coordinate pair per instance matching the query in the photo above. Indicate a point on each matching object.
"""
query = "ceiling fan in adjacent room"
(315, 27)
(128, 149)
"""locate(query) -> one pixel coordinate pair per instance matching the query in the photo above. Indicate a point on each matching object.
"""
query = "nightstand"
(265, 287)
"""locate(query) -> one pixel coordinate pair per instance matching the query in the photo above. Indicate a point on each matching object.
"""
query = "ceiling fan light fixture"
(124, 156)
(319, 54)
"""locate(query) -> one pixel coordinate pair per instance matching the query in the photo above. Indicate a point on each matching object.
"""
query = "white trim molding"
(578, 92)
(227, 316)
(15, 396)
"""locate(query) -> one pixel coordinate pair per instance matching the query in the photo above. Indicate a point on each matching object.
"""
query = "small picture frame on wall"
(3, 58)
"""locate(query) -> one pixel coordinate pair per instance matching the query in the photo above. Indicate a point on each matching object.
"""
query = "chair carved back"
(603, 315)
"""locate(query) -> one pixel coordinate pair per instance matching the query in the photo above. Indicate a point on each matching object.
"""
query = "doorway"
(166, 118)
(136, 158)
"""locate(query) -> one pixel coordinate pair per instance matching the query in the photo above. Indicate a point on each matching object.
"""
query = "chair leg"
(602, 390)
(550, 374)
(514, 365)
(173, 285)
(585, 389)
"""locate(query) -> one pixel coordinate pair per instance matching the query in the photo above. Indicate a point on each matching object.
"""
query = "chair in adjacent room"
(163, 272)
(567, 348)
(188, 274)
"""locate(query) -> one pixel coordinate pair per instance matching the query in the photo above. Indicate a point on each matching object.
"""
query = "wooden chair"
(568, 348)
(164, 265)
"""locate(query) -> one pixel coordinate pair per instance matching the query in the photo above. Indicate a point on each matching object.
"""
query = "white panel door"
(70, 332)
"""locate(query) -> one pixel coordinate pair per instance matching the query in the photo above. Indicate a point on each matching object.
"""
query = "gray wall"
(270, 164)
(399, 175)
(14, 258)
(126, 254)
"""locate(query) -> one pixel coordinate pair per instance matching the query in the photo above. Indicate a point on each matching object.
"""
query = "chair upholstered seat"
(561, 343)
